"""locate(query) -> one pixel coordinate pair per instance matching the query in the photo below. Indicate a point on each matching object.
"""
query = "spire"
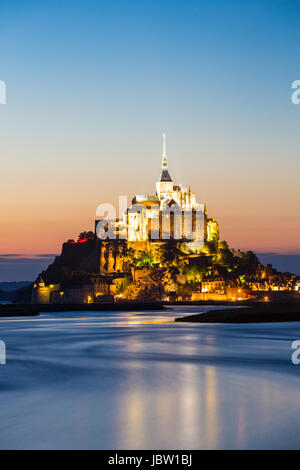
(164, 174)
(164, 164)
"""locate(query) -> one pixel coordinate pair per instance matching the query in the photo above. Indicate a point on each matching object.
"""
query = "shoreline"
(258, 313)
(240, 312)
(28, 310)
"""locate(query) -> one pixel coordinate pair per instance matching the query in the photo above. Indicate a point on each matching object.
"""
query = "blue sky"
(92, 85)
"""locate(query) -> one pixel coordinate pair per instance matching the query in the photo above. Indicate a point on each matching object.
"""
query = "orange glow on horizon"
(41, 210)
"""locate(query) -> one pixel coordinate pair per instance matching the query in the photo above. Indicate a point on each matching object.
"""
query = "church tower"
(164, 186)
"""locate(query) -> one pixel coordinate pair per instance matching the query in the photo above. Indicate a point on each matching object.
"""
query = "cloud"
(289, 262)
(280, 253)
(23, 267)
(16, 258)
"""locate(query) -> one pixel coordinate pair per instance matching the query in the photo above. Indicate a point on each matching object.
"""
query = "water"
(122, 380)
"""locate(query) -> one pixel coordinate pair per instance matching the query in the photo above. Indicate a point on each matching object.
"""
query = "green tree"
(145, 260)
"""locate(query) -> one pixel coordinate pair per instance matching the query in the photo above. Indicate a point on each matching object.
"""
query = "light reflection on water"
(137, 380)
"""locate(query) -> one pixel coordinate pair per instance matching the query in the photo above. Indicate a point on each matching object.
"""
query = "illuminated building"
(216, 285)
(172, 213)
(42, 293)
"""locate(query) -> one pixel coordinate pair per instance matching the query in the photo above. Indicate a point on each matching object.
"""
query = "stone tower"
(41, 294)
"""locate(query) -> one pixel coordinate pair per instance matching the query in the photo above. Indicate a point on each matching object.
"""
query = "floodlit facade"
(172, 213)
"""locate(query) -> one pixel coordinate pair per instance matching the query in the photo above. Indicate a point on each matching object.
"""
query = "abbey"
(171, 213)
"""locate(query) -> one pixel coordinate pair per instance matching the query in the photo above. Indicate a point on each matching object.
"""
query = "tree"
(145, 260)
(86, 236)
(171, 251)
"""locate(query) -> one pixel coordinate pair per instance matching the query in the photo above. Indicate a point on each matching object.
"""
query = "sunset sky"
(92, 85)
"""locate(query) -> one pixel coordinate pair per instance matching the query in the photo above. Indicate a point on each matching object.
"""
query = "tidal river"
(121, 380)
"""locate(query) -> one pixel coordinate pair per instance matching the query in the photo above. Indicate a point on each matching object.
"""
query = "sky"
(91, 87)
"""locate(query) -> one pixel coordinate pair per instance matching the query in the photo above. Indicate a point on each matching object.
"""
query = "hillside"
(5, 295)
(13, 286)
(76, 262)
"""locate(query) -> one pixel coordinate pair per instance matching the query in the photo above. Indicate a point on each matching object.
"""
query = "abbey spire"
(164, 174)
(164, 185)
